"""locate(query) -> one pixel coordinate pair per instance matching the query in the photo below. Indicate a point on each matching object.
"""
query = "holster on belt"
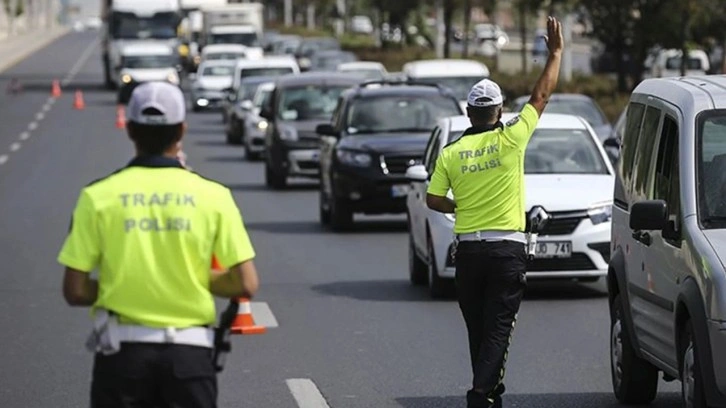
(222, 343)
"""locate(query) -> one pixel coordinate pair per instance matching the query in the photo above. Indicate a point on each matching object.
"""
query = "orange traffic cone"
(215, 264)
(244, 323)
(78, 102)
(120, 117)
(55, 90)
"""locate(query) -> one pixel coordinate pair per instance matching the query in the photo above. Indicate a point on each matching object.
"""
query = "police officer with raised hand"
(150, 230)
(484, 169)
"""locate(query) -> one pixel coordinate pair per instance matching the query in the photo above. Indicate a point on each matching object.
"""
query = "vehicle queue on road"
(372, 137)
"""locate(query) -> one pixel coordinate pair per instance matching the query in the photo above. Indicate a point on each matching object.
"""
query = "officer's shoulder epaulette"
(100, 179)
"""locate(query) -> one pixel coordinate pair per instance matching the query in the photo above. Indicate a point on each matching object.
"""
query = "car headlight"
(262, 125)
(288, 133)
(173, 78)
(126, 78)
(600, 212)
(352, 158)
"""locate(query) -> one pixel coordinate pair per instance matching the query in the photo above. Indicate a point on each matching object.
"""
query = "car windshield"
(226, 56)
(459, 85)
(399, 113)
(148, 61)
(314, 102)
(247, 90)
(674, 63)
(578, 107)
(712, 167)
(262, 97)
(330, 62)
(252, 72)
(129, 26)
(563, 151)
(365, 73)
(248, 39)
(218, 71)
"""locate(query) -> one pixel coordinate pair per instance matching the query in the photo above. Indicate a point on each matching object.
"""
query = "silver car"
(254, 125)
(667, 276)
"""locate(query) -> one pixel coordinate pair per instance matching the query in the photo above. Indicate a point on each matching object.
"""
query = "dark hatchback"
(379, 129)
(298, 104)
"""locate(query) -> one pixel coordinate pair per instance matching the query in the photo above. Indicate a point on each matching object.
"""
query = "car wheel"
(341, 216)
(635, 381)
(324, 208)
(437, 285)
(274, 179)
(693, 393)
(417, 271)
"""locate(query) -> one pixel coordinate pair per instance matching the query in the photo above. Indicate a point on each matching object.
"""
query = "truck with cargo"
(134, 20)
(236, 23)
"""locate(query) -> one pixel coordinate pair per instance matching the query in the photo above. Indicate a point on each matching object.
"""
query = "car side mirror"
(326, 129)
(611, 142)
(246, 105)
(417, 173)
(266, 113)
(649, 215)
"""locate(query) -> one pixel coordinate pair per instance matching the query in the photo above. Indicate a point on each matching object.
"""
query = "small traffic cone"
(244, 323)
(120, 117)
(215, 264)
(55, 90)
(78, 102)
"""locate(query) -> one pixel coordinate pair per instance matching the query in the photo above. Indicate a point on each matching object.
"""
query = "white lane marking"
(306, 393)
(39, 116)
(32, 126)
(25, 136)
(81, 61)
(15, 147)
(51, 100)
(262, 314)
(46, 107)
(3, 159)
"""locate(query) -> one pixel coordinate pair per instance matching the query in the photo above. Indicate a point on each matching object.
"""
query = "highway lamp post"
(288, 13)
(566, 68)
(440, 29)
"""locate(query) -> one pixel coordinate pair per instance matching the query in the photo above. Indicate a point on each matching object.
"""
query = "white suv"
(566, 171)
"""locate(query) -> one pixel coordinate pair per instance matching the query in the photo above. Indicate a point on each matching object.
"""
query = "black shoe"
(479, 400)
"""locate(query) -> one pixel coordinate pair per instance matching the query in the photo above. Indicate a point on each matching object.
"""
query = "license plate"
(561, 249)
(400, 190)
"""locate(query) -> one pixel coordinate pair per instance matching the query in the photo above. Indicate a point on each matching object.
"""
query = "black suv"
(379, 129)
(296, 106)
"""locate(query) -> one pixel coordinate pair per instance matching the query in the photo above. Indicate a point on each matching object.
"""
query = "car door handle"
(643, 237)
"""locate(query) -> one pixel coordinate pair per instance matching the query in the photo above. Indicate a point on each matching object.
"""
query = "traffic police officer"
(151, 230)
(485, 171)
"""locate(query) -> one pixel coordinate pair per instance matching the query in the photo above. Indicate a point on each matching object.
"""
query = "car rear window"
(399, 113)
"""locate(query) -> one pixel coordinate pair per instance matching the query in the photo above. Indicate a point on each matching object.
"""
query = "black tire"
(438, 286)
(417, 270)
(635, 381)
(692, 390)
(273, 179)
(325, 216)
(341, 216)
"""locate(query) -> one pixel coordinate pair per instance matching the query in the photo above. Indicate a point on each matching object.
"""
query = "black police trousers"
(490, 284)
(146, 375)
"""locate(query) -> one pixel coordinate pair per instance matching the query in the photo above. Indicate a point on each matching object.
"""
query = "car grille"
(395, 164)
(563, 223)
(578, 262)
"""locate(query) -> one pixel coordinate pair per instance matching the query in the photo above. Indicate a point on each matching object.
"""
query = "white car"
(230, 52)
(369, 70)
(210, 82)
(456, 74)
(566, 171)
(145, 62)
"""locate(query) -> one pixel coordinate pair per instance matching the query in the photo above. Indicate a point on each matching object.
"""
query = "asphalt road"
(348, 319)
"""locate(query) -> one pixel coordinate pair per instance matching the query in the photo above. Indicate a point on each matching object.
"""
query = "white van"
(458, 75)
(231, 52)
(668, 63)
(267, 66)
